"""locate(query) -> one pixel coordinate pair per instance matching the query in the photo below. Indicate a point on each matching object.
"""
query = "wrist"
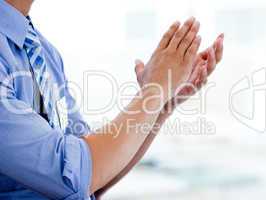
(152, 100)
(156, 92)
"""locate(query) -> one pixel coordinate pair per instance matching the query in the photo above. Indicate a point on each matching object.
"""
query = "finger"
(211, 61)
(199, 81)
(197, 84)
(204, 76)
(168, 36)
(180, 34)
(139, 67)
(192, 88)
(196, 72)
(188, 39)
(221, 36)
(219, 48)
(192, 50)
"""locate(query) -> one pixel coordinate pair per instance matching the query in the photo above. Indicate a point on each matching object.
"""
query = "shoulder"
(6, 54)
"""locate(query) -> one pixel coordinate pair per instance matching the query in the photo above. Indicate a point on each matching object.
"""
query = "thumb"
(139, 66)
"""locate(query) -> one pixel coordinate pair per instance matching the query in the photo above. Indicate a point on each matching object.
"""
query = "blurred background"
(219, 151)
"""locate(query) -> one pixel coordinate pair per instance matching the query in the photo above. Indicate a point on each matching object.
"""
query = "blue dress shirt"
(36, 161)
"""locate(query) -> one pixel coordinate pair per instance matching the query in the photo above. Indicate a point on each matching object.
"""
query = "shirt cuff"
(78, 170)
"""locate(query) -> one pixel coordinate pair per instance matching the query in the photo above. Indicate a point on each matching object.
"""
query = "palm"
(203, 66)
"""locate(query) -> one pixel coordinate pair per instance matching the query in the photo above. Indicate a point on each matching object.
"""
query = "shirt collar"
(13, 24)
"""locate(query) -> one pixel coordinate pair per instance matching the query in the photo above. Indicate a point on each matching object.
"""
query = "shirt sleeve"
(43, 159)
(76, 124)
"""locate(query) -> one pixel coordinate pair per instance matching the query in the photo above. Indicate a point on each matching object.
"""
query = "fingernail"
(137, 62)
(177, 23)
(191, 18)
(221, 36)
